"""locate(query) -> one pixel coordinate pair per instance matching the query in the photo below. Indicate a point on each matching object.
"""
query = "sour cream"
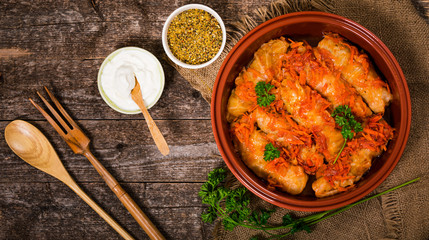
(116, 79)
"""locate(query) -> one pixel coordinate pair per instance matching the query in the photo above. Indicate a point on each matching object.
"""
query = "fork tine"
(55, 113)
(49, 118)
(62, 110)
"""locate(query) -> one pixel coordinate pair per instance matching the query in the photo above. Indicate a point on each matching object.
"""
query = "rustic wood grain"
(50, 210)
(61, 45)
(74, 82)
(127, 150)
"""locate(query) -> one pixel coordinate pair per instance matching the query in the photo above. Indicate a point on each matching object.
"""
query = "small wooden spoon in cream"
(157, 136)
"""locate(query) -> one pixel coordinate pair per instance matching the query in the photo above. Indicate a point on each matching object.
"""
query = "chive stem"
(340, 150)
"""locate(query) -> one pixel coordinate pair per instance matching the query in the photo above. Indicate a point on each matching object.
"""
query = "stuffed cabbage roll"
(278, 172)
(356, 69)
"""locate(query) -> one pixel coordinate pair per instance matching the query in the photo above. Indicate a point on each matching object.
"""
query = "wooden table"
(61, 45)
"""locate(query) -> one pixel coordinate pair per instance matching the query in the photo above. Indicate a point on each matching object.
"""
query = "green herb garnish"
(263, 97)
(271, 152)
(345, 119)
(232, 207)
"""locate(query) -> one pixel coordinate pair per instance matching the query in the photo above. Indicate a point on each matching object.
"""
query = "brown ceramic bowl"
(310, 26)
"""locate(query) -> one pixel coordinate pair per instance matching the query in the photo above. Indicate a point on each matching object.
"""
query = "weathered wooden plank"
(74, 82)
(127, 150)
(52, 211)
(62, 12)
(77, 30)
(81, 40)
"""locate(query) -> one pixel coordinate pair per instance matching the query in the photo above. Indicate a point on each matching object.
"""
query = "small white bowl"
(110, 58)
(167, 25)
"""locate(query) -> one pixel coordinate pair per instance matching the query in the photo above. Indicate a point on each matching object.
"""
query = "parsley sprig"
(271, 152)
(263, 97)
(345, 119)
(232, 207)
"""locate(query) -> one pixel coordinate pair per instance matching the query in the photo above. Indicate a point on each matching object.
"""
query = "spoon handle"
(72, 184)
(126, 200)
(154, 130)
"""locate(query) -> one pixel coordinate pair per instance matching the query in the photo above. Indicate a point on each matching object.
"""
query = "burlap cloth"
(402, 214)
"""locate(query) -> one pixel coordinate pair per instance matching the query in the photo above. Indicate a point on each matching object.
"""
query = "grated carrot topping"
(303, 72)
(296, 44)
(246, 91)
(243, 128)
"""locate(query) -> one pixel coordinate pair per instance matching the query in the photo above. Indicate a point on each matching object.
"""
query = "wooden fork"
(79, 143)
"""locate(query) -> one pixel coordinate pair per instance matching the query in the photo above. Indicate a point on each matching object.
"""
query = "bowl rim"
(109, 58)
(322, 203)
(167, 25)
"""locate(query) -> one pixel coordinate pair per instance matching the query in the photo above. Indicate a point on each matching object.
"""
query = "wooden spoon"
(157, 136)
(32, 146)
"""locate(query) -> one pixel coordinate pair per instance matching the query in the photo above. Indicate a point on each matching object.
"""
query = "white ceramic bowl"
(109, 59)
(167, 25)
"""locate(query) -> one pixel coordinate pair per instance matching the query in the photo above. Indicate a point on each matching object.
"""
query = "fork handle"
(126, 200)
